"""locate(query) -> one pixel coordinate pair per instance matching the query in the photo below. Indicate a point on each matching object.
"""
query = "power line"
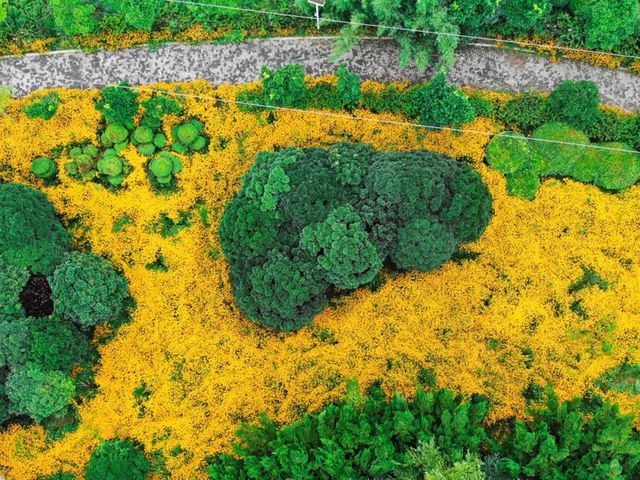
(369, 119)
(404, 29)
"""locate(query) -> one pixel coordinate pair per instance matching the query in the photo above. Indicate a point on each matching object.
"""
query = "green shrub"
(307, 220)
(163, 167)
(54, 344)
(38, 393)
(616, 170)
(73, 17)
(114, 134)
(88, 290)
(325, 95)
(5, 97)
(118, 460)
(356, 438)
(427, 462)
(119, 104)
(45, 108)
(348, 87)
(59, 476)
(156, 108)
(523, 184)
(472, 15)
(573, 440)
(509, 152)
(559, 157)
(607, 23)
(188, 138)
(31, 235)
(523, 15)
(525, 112)
(389, 100)
(111, 166)
(575, 103)
(142, 15)
(44, 168)
(438, 104)
(285, 87)
(12, 281)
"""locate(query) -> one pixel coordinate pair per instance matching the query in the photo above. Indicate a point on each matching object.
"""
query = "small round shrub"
(116, 133)
(87, 289)
(147, 149)
(509, 152)
(525, 113)
(110, 165)
(586, 168)
(38, 393)
(560, 158)
(143, 134)
(424, 244)
(118, 460)
(285, 87)
(523, 184)
(31, 235)
(44, 167)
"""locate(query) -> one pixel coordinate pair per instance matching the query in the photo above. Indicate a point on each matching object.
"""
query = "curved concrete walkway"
(373, 59)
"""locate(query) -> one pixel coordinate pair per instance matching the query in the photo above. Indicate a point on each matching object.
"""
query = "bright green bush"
(573, 441)
(187, 138)
(163, 168)
(141, 15)
(73, 17)
(285, 87)
(348, 87)
(45, 108)
(31, 235)
(39, 393)
(118, 460)
(509, 152)
(357, 438)
(438, 104)
(615, 170)
(119, 104)
(523, 184)
(87, 289)
(44, 168)
(560, 158)
(307, 220)
(607, 23)
(575, 103)
(111, 166)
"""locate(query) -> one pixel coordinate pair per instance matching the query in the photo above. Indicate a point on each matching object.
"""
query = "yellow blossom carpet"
(489, 325)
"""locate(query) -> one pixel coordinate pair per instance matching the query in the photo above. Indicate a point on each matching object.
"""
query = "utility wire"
(368, 119)
(403, 29)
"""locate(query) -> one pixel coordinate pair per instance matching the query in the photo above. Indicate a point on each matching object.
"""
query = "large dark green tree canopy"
(309, 222)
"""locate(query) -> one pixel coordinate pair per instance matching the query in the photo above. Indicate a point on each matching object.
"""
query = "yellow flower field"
(491, 325)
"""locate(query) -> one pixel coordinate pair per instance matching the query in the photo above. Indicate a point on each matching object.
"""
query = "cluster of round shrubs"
(51, 300)
(310, 222)
(524, 161)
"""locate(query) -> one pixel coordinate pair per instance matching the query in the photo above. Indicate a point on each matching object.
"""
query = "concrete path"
(478, 66)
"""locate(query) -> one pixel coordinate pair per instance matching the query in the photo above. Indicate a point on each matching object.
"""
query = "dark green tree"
(285, 87)
(608, 23)
(31, 236)
(576, 103)
(438, 104)
(348, 87)
(118, 460)
(119, 104)
(521, 16)
(424, 244)
(88, 290)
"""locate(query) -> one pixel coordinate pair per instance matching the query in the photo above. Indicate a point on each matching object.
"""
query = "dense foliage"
(37, 347)
(358, 438)
(118, 460)
(306, 221)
